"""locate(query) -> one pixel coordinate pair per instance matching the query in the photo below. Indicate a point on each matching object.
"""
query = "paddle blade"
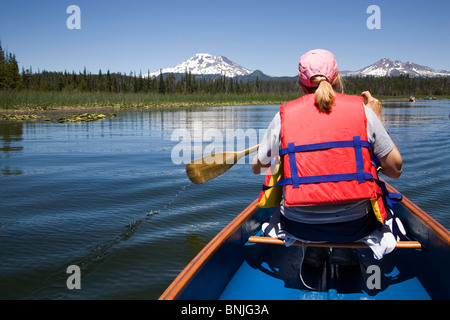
(201, 173)
(207, 168)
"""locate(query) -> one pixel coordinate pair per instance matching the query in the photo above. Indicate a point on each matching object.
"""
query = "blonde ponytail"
(324, 94)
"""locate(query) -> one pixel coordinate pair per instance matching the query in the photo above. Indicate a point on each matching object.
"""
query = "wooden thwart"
(354, 245)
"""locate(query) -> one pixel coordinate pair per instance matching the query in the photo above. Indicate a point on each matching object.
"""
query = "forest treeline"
(11, 78)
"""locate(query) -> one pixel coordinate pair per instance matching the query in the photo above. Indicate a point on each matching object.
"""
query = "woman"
(326, 140)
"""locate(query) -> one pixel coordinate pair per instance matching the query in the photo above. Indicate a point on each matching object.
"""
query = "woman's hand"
(258, 167)
(372, 103)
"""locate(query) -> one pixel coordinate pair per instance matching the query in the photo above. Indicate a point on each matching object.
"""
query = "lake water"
(107, 196)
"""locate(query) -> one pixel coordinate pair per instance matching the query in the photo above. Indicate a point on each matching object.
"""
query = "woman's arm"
(269, 146)
(391, 163)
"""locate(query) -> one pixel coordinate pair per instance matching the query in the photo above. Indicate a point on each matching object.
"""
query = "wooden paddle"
(209, 167)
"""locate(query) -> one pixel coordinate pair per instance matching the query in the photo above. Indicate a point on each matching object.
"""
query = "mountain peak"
(387, 67)
(207, 64)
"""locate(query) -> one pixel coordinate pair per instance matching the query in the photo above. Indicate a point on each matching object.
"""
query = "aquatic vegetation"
(64, 101)
(30, 100)
(81, 117)
(19, 117)
(86, 117)
(152, 213)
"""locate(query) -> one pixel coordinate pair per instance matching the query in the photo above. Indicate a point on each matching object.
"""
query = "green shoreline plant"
(35, 100)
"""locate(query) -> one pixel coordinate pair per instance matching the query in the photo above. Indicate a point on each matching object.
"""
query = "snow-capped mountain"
(387, 67)
(206, 64)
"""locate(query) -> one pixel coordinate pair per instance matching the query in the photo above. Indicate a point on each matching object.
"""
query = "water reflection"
(407, 114)
(90, 186)
(221, 118)
(227, 128)
(10, 137)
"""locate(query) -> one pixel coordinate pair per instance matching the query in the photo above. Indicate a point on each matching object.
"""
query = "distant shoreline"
(36, 100)
(64, 103)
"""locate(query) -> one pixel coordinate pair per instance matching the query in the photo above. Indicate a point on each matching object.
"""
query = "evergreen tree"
(26, 78)
(2, 68)
(13, 78)
(161, 85)
(109, 82)
(9, 71)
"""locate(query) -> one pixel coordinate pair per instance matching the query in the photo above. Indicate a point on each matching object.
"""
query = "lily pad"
(86, 117)
(19, 117)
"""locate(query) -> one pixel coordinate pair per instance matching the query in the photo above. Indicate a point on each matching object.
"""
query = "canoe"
(239, 264)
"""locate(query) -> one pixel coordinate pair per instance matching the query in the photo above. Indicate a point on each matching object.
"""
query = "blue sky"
(269, 35)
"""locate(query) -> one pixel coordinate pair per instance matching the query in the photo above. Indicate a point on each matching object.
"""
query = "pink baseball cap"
(317, 62)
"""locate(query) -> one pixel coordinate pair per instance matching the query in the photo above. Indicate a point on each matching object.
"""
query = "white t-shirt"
(331, 213)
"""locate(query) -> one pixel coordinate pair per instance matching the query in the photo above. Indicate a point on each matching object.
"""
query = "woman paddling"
(326, 141)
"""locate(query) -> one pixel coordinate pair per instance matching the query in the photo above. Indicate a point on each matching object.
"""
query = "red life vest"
(327, 157)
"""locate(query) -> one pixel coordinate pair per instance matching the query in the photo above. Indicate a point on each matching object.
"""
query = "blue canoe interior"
(231, 267)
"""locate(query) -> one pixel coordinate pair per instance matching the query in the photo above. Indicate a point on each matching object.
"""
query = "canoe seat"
(359, 244)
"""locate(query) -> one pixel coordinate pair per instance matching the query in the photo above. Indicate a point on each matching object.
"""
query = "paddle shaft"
(249, 150)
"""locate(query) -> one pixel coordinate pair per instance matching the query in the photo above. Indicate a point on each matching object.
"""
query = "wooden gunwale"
(185, 276)
(190, 270)
(439, 229)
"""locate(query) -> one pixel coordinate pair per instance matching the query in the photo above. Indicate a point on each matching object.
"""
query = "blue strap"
(376, 161)
(390, 197)
(295, 180)
(359, 159)
(320, 179)
(293, 165)
(326, 145)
